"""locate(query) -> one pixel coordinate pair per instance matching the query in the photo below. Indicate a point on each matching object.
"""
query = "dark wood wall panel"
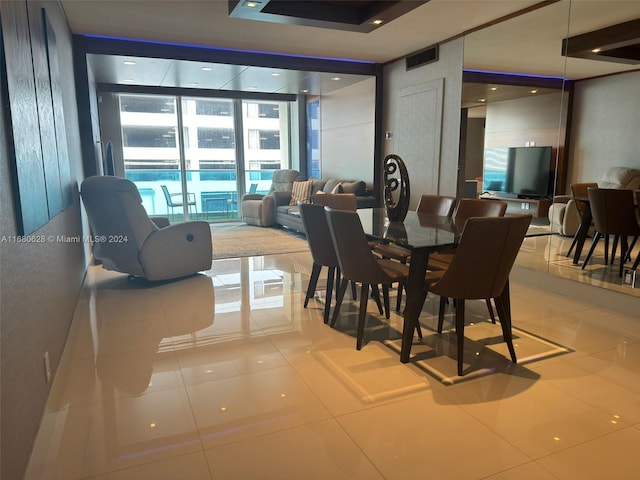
(38, 144)
(24, 144)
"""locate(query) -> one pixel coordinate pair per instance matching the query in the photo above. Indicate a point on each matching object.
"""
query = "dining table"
(421, 234)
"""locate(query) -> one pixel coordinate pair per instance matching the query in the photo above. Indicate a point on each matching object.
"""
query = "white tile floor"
(227, 376)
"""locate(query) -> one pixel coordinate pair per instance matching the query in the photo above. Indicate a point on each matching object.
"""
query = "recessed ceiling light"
(533, 91)
(596, 50)
(128, 80)
(250, 4)
(493, 89)
(378, 21)
(304, 90)
(275, 74)
(206, 69)
(336, 78)
(482, 99)
(252, 88)
(193, 84)
(129, 62)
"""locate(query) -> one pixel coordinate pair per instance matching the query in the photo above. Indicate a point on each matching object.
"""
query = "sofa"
(564, 218)
(288, 215)
(260, 210)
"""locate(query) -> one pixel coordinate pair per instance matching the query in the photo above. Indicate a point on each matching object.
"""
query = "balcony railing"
(213, 192)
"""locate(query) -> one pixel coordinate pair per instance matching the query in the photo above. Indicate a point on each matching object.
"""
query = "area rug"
(232, 240)
(436, 354)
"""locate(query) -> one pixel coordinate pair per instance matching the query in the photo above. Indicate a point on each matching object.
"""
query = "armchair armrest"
(252, 196)
(281, 198)
(176, 251)
(561, 198)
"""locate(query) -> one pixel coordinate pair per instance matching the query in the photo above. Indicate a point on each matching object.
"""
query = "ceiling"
(528, 44)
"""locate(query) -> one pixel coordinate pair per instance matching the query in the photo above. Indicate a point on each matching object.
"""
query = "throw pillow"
(301, 192)
(337, 189)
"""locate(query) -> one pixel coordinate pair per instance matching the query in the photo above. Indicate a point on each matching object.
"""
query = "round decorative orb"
(396, 188)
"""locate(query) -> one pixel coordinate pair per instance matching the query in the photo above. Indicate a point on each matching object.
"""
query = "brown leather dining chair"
(579, 190)
(466, 208)
(614, 213)
(324, 255)
(340, 201)
(432, 204)
(359, 264)
(480, 270)
(322, 252)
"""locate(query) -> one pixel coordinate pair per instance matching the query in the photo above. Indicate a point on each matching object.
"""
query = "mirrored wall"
(520, 91)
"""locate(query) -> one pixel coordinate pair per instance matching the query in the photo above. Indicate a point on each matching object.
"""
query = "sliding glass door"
(193, 157)
(265, 142)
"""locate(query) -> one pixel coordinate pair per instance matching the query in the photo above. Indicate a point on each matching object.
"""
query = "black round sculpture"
(396, 188)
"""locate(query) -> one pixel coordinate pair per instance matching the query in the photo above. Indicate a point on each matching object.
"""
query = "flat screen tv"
(517, 172)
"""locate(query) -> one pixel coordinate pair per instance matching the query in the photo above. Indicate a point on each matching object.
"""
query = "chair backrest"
(614, 211)
(356, 261)
(477, 207)
(484, 257)
(167, 195)
(436, 205)
(282, 180)
(114, 208)
(337, 201)
(318, 234)
(580, 189)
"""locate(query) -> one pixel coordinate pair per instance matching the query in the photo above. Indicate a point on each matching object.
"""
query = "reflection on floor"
(548, 253)
(227, 376)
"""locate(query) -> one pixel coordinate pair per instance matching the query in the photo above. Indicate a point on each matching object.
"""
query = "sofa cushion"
(301, 192)
(330, 185)
(317, 185)
(359, 188)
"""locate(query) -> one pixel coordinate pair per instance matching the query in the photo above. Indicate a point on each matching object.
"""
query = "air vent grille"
(423, 57)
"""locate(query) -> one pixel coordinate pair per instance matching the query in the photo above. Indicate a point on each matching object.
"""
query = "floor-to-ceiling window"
(192, 157)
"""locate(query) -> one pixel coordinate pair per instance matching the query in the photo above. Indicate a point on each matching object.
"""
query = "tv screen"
(517, 171)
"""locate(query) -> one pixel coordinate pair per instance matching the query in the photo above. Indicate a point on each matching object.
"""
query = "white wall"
(347, 119)
(440, 178)
(605, 130)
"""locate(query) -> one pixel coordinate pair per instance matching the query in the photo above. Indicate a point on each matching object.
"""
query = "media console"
(515, 206)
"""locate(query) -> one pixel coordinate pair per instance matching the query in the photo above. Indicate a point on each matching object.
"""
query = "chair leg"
(443, 304)
(596, 237)
(327, 303)
(354, 293)
(459, 305)
(375, 293)
(385, 298)
(573, 244)
(636, 263)
(505, 323)
(627, 255)
(313, 282)
(490, 308)
(343, 288)
(362, 316)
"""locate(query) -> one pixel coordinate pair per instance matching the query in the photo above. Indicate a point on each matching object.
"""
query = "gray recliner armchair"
(128, 241)
(259, 209)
